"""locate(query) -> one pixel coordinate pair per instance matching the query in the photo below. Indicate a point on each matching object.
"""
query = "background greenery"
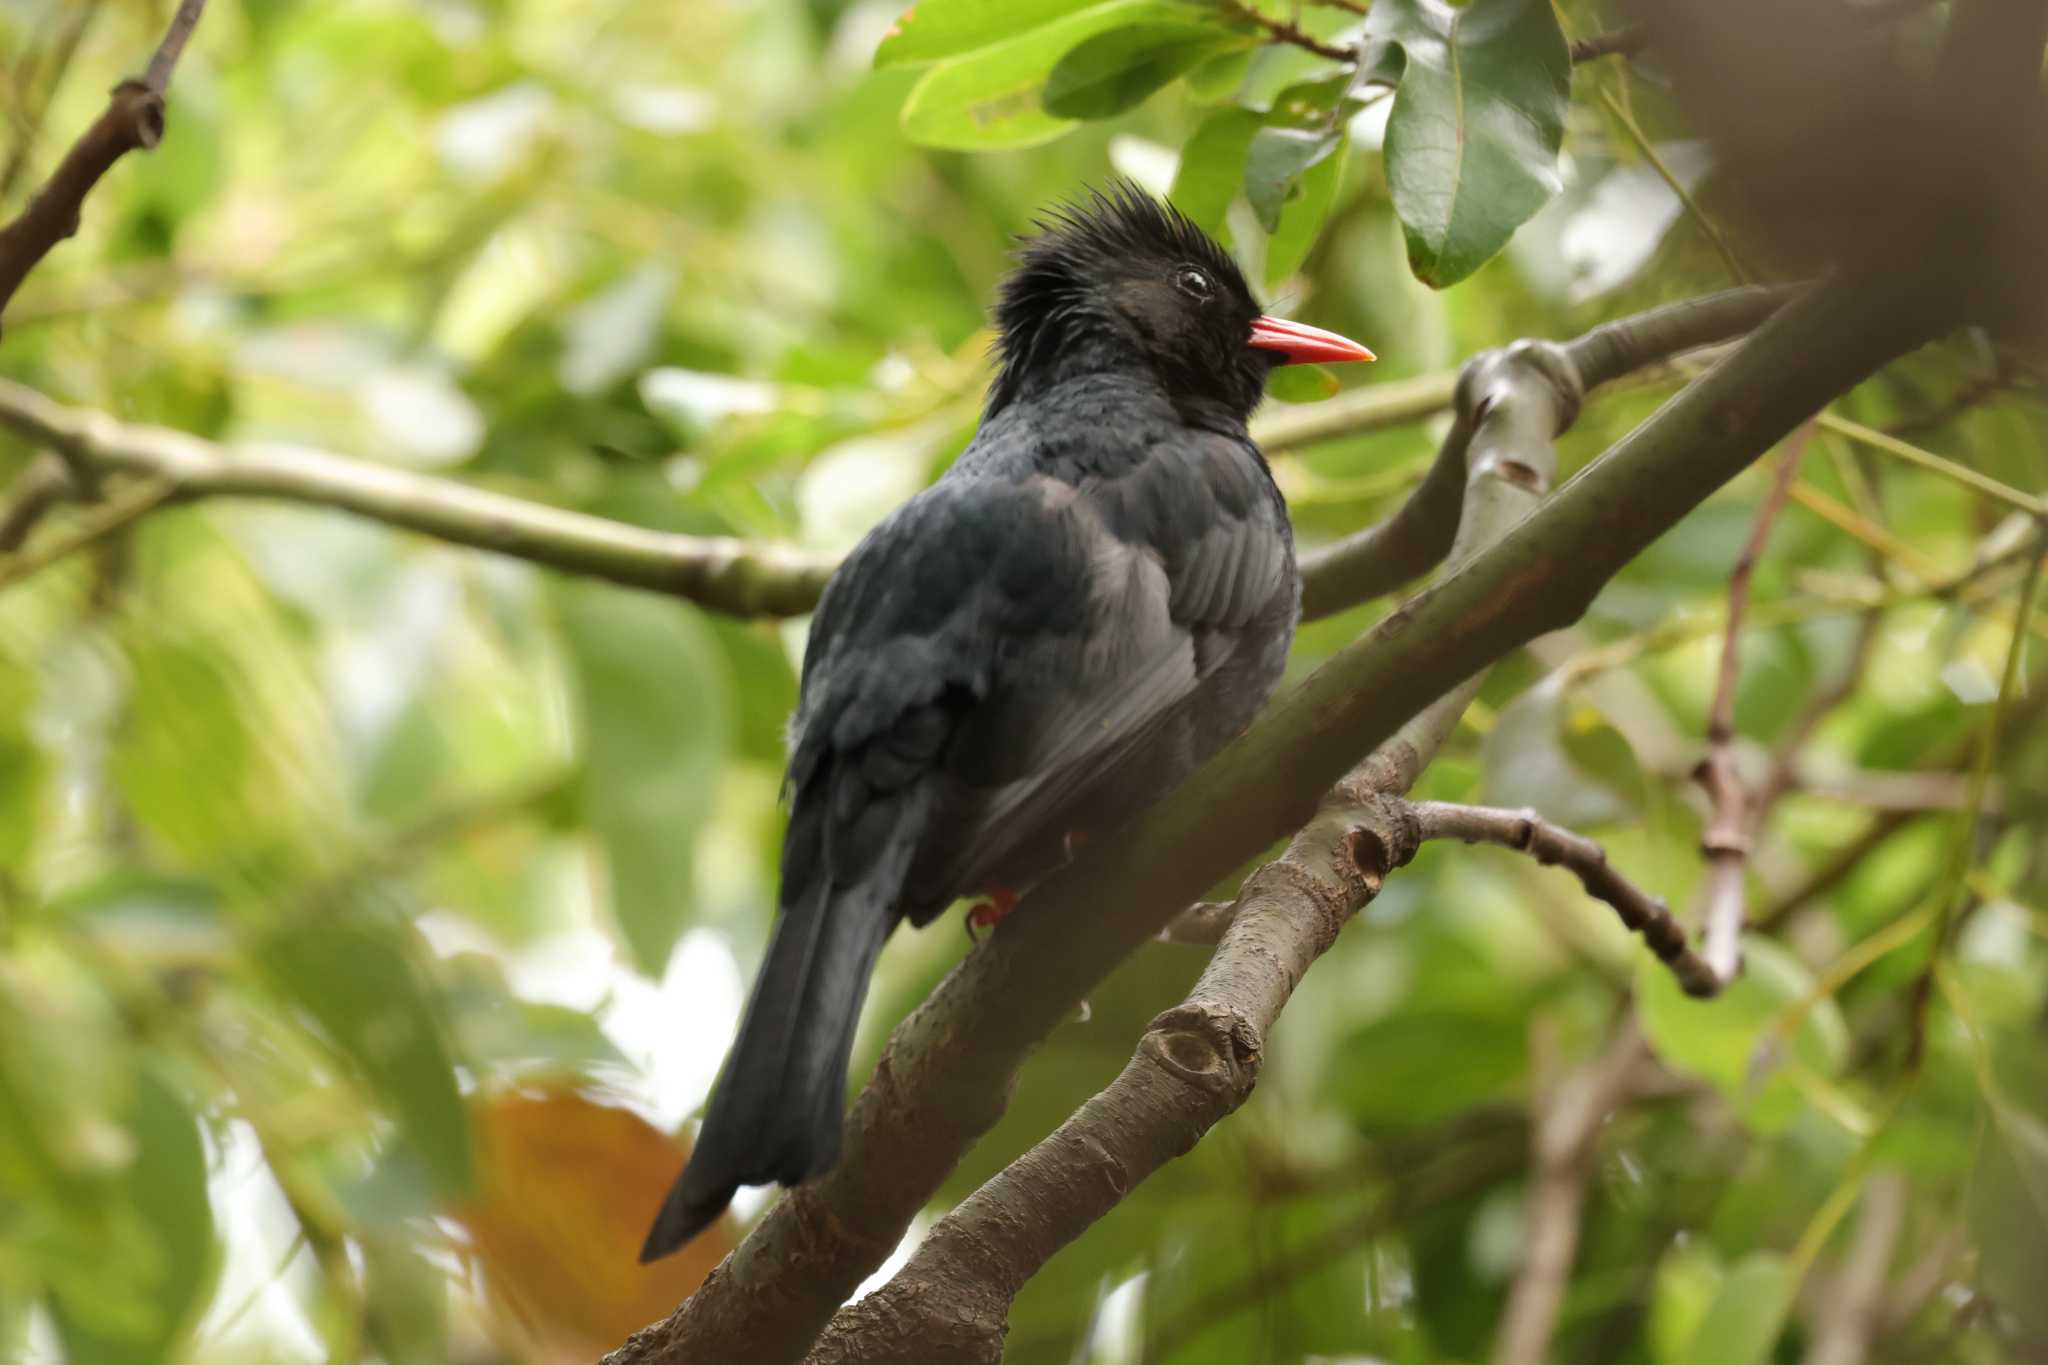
(370, 910)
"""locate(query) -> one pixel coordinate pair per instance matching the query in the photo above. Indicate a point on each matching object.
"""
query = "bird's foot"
(1001, 901)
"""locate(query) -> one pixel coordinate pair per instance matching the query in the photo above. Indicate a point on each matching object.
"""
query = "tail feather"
(777, 1111)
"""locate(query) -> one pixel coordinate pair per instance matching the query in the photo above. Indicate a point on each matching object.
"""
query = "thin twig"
(133, 119)
(31, 123)
(1725, 841)
(129, 505)
(1565, 1145)
(1853, 1299)
(1527, 832)
(1953, 893)
(2029, 503)
(39, 489)
(1620, 42)
(1691, 205)
(157, 76)
(1281, 31)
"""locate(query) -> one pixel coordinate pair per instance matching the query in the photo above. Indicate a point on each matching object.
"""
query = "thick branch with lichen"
(947, 1070)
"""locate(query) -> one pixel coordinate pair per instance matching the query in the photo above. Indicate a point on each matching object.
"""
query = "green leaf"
(1746, 1316)
(1478, 118)
(1212, 166)
(1113, 71)
(1418, 1065)
(1218, 78)
(2008, 1199)
(994, 96)
(1303, 215)
(162, 1281)
(1301, 383)
(1276, 161)
(22, 767)
(654, 704)
(946, 28)
(362, 991)
(1719, 1040)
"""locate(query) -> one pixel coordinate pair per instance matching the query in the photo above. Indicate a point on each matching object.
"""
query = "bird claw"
(1001, 901)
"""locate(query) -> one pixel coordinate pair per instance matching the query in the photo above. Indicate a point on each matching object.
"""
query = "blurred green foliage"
(314, 836)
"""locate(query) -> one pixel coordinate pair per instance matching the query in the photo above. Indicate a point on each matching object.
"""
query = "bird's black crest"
(1075, 248)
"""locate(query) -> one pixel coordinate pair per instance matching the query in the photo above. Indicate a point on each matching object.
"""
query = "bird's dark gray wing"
(1050, 631)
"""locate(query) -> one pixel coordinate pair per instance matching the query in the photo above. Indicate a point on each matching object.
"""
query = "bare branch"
(1411, 541)
(1846, 1324)
(158, 74)
(1527, 832)
(730, 575)
(1726, 839)
(1281, 31)
(120, 510)
(1565, 1146)
(39, 489)
(133, 118)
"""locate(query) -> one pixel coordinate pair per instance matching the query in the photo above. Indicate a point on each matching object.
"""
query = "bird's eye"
(1195, 284)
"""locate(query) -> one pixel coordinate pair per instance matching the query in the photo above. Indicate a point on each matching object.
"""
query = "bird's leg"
(1075, 841)
(1001, 901)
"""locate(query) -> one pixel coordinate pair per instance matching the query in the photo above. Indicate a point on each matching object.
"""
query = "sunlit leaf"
(994, 96)
(944, 28)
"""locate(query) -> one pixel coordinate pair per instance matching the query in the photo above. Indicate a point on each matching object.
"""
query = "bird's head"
(1122, 280)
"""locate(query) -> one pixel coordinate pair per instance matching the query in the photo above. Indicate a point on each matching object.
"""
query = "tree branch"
(1846, 1324)
(1527, 832)
(1725, 841)
(1565, 1145)
(133, 118)
(749, 578)
(730, 575)
(947, 1070)
(1198, 1061)
(1407, 544)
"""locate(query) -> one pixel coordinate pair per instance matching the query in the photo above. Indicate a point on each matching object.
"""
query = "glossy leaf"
(1114, 71)
(1477, 122)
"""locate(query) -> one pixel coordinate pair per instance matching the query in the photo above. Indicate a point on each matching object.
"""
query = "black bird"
(1097, 595)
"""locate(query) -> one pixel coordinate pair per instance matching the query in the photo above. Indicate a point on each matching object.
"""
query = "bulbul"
(1099, 593)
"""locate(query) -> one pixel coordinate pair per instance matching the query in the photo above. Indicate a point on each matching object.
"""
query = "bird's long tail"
(777, 1111)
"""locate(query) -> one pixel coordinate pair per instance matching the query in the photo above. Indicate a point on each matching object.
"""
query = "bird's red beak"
(1300, 344)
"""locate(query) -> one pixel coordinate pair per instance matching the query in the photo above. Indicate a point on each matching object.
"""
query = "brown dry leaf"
(566, 1192)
